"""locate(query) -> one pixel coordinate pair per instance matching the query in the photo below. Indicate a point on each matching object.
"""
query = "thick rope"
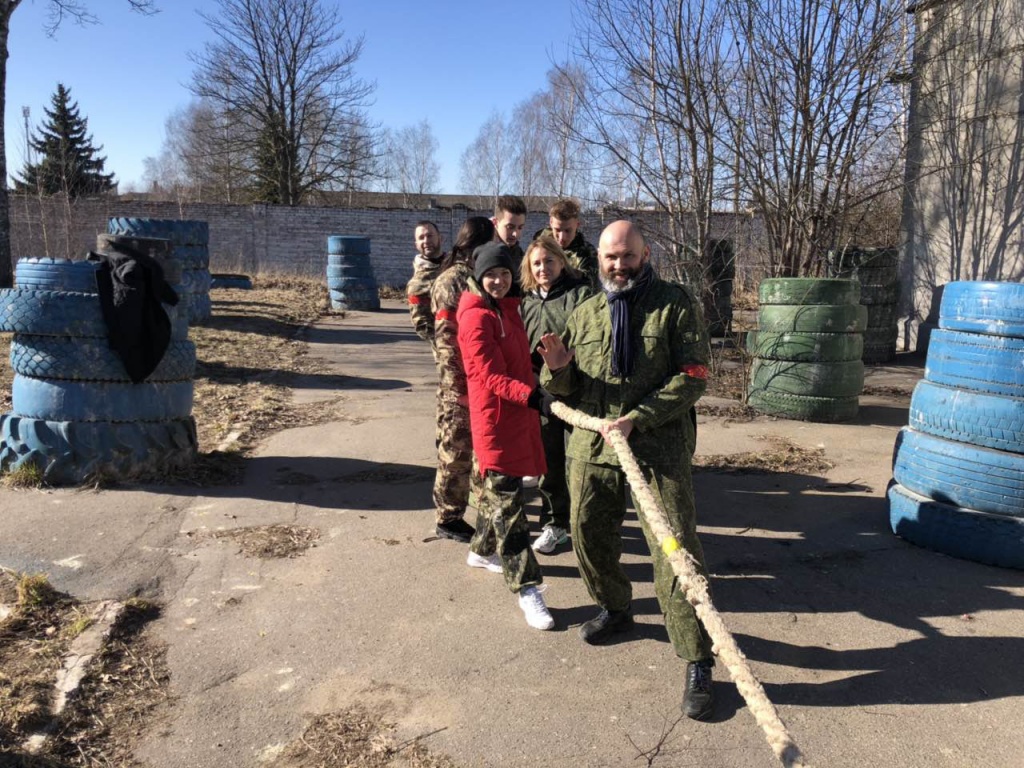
(695, 589)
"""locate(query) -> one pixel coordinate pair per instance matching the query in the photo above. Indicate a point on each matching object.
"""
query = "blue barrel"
(350, 280)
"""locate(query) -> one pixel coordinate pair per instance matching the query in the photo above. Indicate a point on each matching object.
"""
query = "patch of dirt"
(112, 706)
(899, 393)
(780, 456)
(358, 737)
(6, 374)
(729, 413)
(271, 541)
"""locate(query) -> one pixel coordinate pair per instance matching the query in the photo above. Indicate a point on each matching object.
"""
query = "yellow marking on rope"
(669, 545)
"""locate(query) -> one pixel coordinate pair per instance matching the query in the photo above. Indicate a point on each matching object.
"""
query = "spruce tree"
(68, 161)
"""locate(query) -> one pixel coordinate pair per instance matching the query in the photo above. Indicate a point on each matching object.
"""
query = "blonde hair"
(546, 243)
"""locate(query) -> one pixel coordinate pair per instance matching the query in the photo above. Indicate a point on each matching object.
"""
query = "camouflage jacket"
(417, 290)
(550, 314)
(444, 303)
(582, 255)
(670, 374)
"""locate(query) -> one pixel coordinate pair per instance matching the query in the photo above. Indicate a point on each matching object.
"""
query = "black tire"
(73, 452)
(858, 258)
(178, 231)
(827, 410)
(225, 280)
(61, 357)
(976, 361)
(44, 274)
(807, 290)
(982, 307)
(991, 421)
(875, 354)
(192, 256)
(347, 244)
(55, 400)
(836, 380)
(882, 318)
(806, 347)
(960, 474)
(969, 535)
(825, 318)
(195, 281)
(879, 294)
(59, 313)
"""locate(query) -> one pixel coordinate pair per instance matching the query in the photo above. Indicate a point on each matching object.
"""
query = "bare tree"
(486, 162)
(59, 10)
(809, 107)
(413, 155)
(280, 70)
(569, 164)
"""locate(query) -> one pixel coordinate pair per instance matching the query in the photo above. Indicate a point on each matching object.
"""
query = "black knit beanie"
(491, 255)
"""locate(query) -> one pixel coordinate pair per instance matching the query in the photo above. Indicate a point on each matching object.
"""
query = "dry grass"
(781, 455)
(271, 541)
(358, 737)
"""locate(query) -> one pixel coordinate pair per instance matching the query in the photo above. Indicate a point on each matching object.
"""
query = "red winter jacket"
(496, 356)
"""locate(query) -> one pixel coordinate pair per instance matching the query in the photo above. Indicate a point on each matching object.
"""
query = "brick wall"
(276, 239)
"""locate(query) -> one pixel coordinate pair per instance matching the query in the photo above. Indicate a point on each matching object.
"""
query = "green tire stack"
(807, 349)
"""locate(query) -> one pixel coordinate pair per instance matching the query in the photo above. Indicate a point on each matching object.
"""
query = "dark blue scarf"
(620, 304)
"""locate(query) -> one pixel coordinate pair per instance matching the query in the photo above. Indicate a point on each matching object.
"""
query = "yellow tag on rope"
(669, 545)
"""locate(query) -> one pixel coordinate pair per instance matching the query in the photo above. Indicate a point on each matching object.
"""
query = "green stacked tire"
(875, 270)
(807, 349)
(350, 280)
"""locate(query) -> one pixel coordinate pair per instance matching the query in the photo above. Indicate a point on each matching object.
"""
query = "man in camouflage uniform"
(509, 219)
(639, 361)
(426, 266)
(564, 226)
(454, 441)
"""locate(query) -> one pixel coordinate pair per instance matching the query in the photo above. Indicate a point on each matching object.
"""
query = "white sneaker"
(492, 563)
(532, 604)
(549, 539)
(530, 481)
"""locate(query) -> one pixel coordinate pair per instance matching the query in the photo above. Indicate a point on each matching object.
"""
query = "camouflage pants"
(553, 487)
(501, 527)
(598, 495)
(454, 459)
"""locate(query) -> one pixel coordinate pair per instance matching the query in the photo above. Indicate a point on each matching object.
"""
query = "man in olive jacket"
(636, 355)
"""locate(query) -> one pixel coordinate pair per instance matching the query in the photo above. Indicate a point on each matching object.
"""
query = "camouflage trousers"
(553, 487)
(501, 527)
(454, 460)
(598, 494)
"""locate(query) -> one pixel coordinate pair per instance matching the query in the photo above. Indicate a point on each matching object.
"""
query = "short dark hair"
(564, 209)
(427, 223)
(509, 204)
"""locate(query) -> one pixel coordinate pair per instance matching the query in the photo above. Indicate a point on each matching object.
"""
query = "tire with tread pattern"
(964, 533)
(828, 410)
(978, 418)
(61, 313)
(74, 452)
(983, 307)
(821, 318)
(62, 357)
(976, 361)
(57, 400)
(46, 274)
(960, 474)
(832, 380)
(806, 347)
(807, 291)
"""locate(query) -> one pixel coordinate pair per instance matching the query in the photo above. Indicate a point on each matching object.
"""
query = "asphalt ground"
(874, 651)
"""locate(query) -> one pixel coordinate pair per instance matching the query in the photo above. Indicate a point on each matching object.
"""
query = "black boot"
(606, 624)
(698, 698)
(457, 529)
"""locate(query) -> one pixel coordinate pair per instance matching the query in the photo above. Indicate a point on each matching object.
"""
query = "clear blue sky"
(451, 62)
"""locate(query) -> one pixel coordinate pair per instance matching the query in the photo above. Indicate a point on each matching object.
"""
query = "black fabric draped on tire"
(951, 530)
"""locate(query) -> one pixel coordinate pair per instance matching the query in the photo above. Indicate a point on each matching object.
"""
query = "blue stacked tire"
(190, 245)
(56, 275)
(351, 284)
(876, 271)
(807, 349)
(76, 415)
(959, 466)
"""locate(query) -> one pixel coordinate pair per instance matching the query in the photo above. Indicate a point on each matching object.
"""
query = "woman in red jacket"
(506, 432)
